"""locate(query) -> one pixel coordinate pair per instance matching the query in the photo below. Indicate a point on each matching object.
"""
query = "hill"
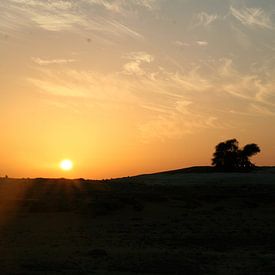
(189, 222)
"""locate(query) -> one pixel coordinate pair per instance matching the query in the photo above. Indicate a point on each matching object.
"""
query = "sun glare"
(66, 165)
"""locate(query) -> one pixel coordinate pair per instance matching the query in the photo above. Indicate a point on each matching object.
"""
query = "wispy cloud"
(181, 43)
(53, 16)
(70, 83)
(59, 89)
(136, 61)
(117, 28)
(175, 126)
(48, 5)
(123, 6)
(261, 110)
(202, 43)
(254, 110)
(174, 102)
(225, 80)
(249, 87)
(40, 61)
(252, 17)
(61, 16)
(205, 19)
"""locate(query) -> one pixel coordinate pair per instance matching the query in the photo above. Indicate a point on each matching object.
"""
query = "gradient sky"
(125, 87)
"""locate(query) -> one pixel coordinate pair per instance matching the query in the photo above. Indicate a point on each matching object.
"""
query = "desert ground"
(190, 221)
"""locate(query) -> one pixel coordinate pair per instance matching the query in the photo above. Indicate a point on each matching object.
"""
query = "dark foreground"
(128, 227)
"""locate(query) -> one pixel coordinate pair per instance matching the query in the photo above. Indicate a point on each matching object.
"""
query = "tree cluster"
(229, 157)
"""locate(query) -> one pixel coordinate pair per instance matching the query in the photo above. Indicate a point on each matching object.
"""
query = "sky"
(126, 87)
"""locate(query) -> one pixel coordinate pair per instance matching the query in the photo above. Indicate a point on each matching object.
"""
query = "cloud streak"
(252, 17)
(123, 6)
(205, 19)
(137, 59)
(181, 80)
(59, 16)
(202, 43)
(42, 62)
(173, 103)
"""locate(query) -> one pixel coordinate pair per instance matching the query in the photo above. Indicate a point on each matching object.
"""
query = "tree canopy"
(229, 157)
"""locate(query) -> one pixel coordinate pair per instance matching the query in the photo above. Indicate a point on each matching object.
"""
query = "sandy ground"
(152, 224)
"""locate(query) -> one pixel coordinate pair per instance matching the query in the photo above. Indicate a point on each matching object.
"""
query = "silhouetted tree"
(229, 157)
(248, 151)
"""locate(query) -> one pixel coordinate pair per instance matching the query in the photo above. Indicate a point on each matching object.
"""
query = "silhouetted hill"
(186, 221)
(193, 169)
(211, 169)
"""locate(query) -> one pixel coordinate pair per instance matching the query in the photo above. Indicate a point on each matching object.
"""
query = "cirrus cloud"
(252, 17)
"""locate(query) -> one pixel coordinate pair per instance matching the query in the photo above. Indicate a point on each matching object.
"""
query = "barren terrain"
(191, 222)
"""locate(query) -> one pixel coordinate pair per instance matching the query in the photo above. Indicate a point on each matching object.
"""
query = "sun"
(66, 165)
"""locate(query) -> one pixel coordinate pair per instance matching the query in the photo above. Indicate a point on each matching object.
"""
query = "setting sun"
(137, 136)
(132, 96)
(66, 165)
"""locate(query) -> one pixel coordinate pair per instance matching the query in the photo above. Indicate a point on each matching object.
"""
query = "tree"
(248, 151)
(229, 157)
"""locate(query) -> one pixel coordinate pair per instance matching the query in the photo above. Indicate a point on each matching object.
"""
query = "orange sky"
(127, 87)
